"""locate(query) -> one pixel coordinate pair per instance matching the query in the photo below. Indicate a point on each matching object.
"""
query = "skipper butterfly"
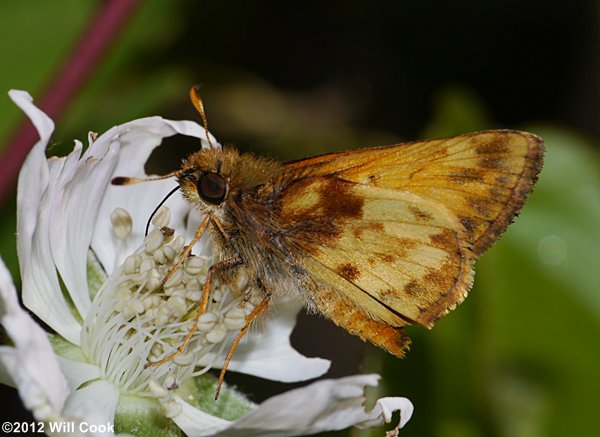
(373, 239)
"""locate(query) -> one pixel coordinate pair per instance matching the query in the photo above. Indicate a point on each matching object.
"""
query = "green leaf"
(200, 392)
(457, 110)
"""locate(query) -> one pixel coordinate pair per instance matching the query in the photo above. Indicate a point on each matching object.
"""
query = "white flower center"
(135, 319)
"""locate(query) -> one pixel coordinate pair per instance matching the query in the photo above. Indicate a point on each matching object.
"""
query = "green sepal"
(66, 349)
(96, 276)
(143, 417)
(200, 393)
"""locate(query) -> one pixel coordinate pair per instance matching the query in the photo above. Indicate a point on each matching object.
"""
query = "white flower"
(90, 275)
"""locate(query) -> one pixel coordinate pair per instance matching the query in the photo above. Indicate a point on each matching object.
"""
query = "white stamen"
(169, 252)
(123, 293)
(194, 296)
(132, 263)
(184, 359)
(122, 223)
(217, 335)
(162, 318)
(207, 321)
(192, 284)
(171, 382)
(175, 279)
(235, 319)
(248, 308)
(225, 289)
(146, 265)
(178, 243)
(134, 319)
(194, 265)
(159, 256)
(153, 241)
(162, 217)
(156, 349)
(177, 305)
(157, 390)
(154, 280)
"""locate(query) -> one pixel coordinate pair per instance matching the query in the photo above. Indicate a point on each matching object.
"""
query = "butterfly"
(373, 239)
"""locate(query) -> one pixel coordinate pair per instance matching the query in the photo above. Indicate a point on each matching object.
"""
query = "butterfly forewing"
(390, 234)
(482, 178)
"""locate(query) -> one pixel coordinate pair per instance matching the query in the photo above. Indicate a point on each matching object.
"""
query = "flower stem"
(83, 60)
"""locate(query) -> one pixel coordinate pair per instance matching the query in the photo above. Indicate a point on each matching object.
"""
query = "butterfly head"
(206, 178)
(212, 177)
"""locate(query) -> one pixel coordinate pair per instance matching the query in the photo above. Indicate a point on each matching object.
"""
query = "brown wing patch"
(348, 271)
(330, 196)
(492, 163)
(420, 214)
(385, 257)
(445, 239)
(314, 207)
(496, 145)
(414, 288)
(465, 175)
(360, 229)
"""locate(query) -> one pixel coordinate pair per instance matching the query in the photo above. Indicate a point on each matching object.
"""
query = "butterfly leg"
(206, 291)
(253, 315)
(189, 247)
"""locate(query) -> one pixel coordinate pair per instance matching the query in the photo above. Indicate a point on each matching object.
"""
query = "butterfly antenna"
(158, 207)
(124, 180)
(197, 102)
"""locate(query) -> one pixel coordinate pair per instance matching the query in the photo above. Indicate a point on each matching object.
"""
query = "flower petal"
(32, 365)
(326, 405)
(8, 361)
(134, 142)
(59, 201)
(193, 421)
(33, 177)
(41, 289)
(80, 189)
(77, 372)
(383, 410)
(267, 351)
(94, 403)
(36, 195)
(83, 186)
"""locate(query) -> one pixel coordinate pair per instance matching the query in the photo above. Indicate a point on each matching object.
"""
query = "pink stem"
(81, 63)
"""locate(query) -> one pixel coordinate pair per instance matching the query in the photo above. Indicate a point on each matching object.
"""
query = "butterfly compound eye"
(212, 188)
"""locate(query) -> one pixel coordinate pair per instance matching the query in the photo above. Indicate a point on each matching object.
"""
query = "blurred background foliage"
(520, 357)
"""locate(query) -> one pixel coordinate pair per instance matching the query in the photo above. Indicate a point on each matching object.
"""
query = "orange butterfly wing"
(389, 235)
(483, 178)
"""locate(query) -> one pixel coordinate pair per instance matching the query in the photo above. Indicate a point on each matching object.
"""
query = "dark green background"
(289, 79)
